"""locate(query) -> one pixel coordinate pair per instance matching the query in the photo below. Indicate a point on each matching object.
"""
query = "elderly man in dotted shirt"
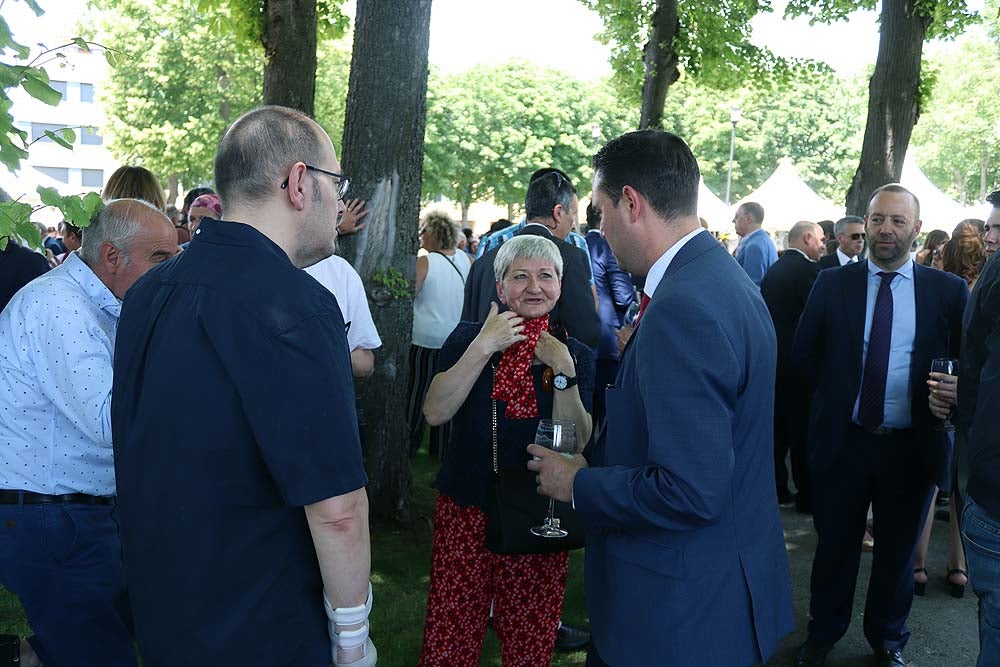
(59, 547)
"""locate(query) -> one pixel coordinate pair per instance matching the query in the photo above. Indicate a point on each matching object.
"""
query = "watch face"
(560, 381)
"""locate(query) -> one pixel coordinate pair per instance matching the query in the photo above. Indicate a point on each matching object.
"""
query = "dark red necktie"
(871, 406)
(643, 302)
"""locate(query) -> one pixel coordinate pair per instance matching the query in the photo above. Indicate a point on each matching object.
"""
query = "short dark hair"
(755, 211)
(659, 165)
(994, 198)
(547, 188)
(829, 230)
(593, 217)
(899, 189)
(259, 147)
(502, 223)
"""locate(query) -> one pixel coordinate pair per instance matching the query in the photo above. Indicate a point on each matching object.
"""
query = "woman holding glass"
(518, 360)
(964, 255)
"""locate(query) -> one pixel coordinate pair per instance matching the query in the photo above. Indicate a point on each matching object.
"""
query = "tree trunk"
(510, 212)
(383, 154)
(172, 188)
(465, 214)
(960, 186)
(659, 63)
(893, 102)
(289, 39)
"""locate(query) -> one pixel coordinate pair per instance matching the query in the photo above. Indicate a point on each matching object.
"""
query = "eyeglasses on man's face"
(342, 181)
(857, 236)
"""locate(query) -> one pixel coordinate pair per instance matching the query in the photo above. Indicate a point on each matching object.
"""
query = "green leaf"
(26, 231)
(50, 196)
(7, 41)
(41, 90)
(12, 214)
(64, 137)
(113, 57)
(74, 211)
(82, 43)
(92, 204)
(34, 7)
(3, 243)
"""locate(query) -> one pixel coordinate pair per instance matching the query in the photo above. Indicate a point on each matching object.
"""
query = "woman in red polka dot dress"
(502, 359)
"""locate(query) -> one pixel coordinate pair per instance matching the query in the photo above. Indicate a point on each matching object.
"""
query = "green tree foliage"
(180, 85)
(712, 45)
(490, 127)
(958, 137)
(184, 81)
(814, 118)
(31, 75)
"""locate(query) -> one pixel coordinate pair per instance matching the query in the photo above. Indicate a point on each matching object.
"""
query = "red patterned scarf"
(514, 383)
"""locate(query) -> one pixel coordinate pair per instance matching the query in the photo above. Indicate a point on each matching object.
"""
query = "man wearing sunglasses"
(850, 234)
(244, 517)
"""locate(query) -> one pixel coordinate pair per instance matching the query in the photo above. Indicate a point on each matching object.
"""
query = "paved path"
(943, 630)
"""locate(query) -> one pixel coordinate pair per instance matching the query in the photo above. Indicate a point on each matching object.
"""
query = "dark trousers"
(885, 472)
(791, 410)
(64, 563)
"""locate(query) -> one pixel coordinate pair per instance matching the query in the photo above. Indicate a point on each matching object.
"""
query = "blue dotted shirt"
(57, 336)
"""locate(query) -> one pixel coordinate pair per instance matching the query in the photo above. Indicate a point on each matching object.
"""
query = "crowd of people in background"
(693, 375)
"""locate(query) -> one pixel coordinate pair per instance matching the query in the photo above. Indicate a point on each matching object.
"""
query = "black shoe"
(890, 658)
(569, 638)
(812, 654)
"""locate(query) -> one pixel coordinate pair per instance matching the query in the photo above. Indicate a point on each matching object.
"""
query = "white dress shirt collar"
(660, 266)
(844, 259)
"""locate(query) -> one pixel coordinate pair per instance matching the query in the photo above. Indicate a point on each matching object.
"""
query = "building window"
(38, 130)
(86, 92)
(60, 174)
(90, 137)
(92, 178)
(60, 86)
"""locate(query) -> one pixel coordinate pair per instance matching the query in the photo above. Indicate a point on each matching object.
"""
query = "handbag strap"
(496, 470)
(453, 265)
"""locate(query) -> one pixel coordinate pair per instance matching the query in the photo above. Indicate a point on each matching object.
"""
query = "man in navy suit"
(685, 561)
(615, 293)
(868, 334)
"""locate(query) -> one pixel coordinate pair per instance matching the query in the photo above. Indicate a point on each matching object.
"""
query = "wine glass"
(948, 367)
(559, 436)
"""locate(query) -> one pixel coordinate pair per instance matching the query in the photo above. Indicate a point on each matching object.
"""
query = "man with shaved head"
(62, 555)
(244, 515)
(785, 289)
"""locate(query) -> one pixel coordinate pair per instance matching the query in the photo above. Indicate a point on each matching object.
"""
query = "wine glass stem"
(552, 512)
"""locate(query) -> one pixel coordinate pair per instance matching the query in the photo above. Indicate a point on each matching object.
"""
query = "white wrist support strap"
(342, 616)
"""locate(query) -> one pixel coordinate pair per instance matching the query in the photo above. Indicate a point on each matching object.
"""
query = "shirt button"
(197, 231)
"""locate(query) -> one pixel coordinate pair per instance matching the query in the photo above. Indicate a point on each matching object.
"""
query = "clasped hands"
(943, 395)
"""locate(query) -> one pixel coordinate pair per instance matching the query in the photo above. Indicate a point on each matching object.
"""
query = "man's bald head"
(258, 149)
(807, 237)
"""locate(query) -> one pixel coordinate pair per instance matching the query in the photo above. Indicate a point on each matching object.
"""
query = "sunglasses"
(858, 235)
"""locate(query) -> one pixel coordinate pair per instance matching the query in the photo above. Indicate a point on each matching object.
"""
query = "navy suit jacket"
(829, 343)
(685, 559)
(615, 292)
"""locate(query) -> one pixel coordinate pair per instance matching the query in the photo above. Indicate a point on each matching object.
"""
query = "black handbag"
(514, 505)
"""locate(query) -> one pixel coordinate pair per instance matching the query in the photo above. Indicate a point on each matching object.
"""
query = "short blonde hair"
(442, 229)
(527, 246)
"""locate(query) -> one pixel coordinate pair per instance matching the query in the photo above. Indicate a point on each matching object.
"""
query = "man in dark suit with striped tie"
(868, 334)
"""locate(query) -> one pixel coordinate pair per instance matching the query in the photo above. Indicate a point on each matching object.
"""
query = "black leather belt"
(29, 498)
(881, 430)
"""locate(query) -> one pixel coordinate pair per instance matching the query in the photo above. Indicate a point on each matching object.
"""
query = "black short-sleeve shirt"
(467, 470)
(232, 407)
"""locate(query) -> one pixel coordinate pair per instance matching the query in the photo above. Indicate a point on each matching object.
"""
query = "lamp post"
(735, 115)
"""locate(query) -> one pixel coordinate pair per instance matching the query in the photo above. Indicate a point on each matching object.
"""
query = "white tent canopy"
(787, 199)
(937, 210)
(714, 210)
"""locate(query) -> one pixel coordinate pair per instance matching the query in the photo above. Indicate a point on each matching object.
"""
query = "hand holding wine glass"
(558, 436)
(943, 385)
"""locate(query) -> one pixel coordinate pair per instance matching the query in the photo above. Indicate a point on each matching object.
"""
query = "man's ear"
(634, 201)
(295, 190)
(111, 258)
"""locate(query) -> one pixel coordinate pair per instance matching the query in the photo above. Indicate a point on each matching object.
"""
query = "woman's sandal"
(919, 587)
(957, 590)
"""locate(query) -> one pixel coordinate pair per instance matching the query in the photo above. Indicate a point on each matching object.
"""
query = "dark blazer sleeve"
(829, 261)
(619, 281)
(474, 292)
(577, 311)
(687, 480)
(809, 342)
